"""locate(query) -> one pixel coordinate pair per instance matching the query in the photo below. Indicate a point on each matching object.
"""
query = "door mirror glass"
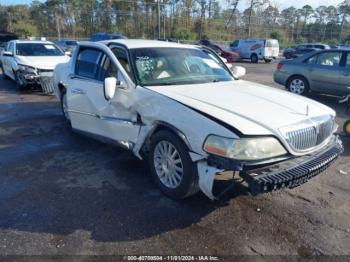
(110, 85)
(238, 71)
(7, 53)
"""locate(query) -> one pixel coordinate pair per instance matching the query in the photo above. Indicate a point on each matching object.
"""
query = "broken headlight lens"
(27, 69)
(244, 148)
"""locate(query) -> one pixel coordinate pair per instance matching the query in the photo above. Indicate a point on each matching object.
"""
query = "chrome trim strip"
(105, 118)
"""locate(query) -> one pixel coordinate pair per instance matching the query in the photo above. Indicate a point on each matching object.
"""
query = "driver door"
(89, 110)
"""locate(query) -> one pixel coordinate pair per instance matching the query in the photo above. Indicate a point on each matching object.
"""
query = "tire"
(179, 183)
(346, 127)
(254, 58)
(64, 108)
(267, 61)
(3, 73)
(20, 84)
(298, 85)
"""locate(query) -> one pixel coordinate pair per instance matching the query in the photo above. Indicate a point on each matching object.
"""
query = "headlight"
(244, 148)
(26, 68)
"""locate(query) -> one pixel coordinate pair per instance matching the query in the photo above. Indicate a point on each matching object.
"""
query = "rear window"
(272, 43)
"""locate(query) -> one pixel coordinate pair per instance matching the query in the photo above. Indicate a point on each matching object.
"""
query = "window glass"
(122, 57)
(108, 69)
(10, 47)
(347, 63)
(176, 66)
(235, 43)
(329, 59)
(312, 60)
(38, 49)
(88, 63)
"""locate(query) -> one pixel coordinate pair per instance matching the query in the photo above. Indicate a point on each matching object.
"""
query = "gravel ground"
(64, 194)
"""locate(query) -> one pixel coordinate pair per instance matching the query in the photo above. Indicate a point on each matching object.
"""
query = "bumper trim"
(292, 173)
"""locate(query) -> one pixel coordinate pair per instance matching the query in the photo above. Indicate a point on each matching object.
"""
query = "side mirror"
(238, 71)
(110, 85)
(68, 53)
(7, 53)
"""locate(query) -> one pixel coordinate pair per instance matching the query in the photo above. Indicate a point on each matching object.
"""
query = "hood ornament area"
(303, 114)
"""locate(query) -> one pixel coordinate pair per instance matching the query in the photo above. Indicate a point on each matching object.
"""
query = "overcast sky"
(243, 5)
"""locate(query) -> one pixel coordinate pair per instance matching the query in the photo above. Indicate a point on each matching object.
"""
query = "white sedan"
(31, 62)
(182, 108)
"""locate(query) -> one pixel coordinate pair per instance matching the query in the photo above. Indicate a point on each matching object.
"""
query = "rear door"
(325, 71)
(89, 110)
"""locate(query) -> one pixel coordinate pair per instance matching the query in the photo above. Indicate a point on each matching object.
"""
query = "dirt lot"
(62, 193)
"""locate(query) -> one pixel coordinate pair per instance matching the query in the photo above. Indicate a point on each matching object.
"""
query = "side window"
(10, 47)
(329, 59)
(122, 56)
(312, 60)
(108, 69)
(87, 64)
(347, 62)
(234, 44)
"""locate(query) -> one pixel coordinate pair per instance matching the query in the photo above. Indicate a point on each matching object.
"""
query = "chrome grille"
(312, 133)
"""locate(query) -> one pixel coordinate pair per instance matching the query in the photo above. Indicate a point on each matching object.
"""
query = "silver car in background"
(325, 72)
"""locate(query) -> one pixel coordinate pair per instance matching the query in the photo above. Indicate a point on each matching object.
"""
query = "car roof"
(32, 41)
(140, 43)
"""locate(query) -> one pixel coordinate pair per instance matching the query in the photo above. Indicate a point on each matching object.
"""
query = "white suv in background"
(31, 62)
(181, 108)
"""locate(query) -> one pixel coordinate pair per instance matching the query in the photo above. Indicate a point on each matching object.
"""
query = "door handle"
(78, 91)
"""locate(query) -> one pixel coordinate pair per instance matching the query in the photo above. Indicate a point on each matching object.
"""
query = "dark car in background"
(106, 36)
(67, 45)
(230, 56)
(303, 49)
(5, 37)
(324, 72)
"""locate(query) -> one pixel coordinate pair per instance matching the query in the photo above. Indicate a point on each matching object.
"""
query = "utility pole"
(158, 5)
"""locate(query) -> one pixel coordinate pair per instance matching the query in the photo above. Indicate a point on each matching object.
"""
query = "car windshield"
(38, 49)
(176, 66)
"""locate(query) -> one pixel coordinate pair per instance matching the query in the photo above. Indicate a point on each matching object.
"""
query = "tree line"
(180, 19)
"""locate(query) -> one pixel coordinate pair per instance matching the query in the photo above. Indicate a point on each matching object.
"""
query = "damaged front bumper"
(284, 174)
(38, 77)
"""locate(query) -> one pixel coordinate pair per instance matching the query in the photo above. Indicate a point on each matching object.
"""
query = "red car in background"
(230, 56)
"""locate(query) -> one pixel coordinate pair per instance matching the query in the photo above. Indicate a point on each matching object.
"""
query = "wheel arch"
(161, 125)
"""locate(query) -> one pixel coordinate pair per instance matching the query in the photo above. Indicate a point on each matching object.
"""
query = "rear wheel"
(298, 85)
(254, 58)
(171, 166)
(346, 128)
(267, 60)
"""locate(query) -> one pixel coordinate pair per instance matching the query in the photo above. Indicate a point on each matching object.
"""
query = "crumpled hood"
(251, 108)
(42, 62)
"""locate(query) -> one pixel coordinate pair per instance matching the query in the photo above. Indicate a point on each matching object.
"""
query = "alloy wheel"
(168, 164)
(297, 86)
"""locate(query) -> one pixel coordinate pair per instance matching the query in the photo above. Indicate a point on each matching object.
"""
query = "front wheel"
(64, 108)
(346, 127)
(20, 81)
(298, 85)
(171, 166)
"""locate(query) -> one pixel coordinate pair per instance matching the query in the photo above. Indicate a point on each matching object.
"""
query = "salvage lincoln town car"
(187, 112)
